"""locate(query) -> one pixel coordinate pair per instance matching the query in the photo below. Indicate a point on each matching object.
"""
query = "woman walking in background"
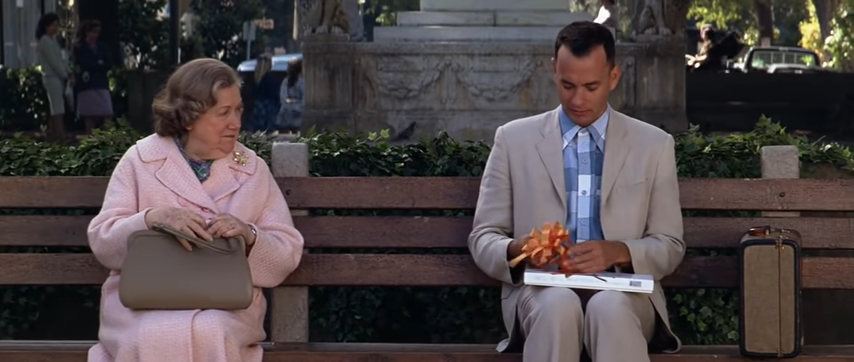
(94, 102)
(266, 95)
(293, 99)
(56, 74)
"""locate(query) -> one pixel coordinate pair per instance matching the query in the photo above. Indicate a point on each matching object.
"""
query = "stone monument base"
(327, 37)
(469, 89)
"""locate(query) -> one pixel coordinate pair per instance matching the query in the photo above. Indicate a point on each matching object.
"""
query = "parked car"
(280, 63)
(780, 59)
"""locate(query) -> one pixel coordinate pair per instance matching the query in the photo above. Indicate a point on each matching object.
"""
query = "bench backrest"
(429, 232)
(434, 244)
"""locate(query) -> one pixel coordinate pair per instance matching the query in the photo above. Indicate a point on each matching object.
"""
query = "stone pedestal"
(469, 66)
(479, 20)
(469, 89)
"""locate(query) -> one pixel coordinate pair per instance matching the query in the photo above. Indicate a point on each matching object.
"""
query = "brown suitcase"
(770, 281)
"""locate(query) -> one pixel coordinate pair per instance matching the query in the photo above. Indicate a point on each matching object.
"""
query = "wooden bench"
(289, 309)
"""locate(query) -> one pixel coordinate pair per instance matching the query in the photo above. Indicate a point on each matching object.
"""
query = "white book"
(623, 282)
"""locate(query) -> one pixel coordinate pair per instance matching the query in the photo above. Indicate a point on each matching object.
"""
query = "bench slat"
(461, 193)
(408, 270)
(432, 232)
(61, 351)
(449, 193)
(53, 192)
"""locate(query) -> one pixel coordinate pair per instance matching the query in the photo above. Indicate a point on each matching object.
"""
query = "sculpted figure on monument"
(661, 18)
(652, 19)
(327, 17)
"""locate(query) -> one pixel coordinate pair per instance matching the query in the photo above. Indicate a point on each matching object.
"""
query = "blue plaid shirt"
(583, 156)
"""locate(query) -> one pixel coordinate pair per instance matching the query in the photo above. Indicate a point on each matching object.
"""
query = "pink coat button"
(182, 202)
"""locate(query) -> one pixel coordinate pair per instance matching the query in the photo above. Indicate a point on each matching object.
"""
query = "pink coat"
(153, 173)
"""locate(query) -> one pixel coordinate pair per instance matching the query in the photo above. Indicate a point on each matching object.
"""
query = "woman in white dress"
(56, 73)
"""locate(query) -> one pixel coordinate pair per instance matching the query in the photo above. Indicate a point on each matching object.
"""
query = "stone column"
(290, 304)
(780, 162)
(659, 26)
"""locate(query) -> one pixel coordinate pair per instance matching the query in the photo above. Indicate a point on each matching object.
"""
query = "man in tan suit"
(612, 180)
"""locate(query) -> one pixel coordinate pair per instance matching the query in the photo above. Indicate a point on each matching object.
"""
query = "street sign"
(249, 31)
(266, 24)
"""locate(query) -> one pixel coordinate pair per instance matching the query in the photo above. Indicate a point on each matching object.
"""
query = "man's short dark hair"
(581, 37)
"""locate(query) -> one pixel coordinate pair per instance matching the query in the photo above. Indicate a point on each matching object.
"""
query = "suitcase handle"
(759, 231)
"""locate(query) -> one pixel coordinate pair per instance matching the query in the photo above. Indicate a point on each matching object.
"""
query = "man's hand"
(595, 256)
(515, 249)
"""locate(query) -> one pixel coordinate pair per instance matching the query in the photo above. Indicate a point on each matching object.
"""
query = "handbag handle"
(192, 238)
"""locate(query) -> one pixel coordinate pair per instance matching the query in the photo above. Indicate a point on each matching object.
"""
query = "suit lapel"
(225, 172)
(550, 149)
(616, 152)
(176, 175)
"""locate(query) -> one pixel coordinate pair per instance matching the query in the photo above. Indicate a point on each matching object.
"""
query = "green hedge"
(455, 315)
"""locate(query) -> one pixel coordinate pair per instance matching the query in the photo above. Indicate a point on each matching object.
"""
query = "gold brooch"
(240, 158)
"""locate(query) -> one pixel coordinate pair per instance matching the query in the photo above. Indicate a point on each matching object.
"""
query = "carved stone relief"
(467, 91)
(456, 82)
(624, 96)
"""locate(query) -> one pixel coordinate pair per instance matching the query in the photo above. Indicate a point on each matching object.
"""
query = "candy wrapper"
(545, 245)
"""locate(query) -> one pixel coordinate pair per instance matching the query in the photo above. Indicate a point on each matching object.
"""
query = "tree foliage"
(841, 40)
(219, 28)
(144, 34)
(385, 11)
(742, 15)
(834, 41)
(723, 14)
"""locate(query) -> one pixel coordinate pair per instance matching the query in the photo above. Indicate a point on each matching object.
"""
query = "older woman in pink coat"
(194, 176)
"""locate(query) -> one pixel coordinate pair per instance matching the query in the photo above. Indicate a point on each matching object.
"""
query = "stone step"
(466, 33)
(443, 18)
(489, 18)
(493, 5)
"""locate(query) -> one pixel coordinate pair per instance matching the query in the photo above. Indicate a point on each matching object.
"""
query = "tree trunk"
(765, 20)
(301, 9)
(824, 12)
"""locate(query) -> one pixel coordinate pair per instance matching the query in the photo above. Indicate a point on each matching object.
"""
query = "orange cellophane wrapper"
(545, 245)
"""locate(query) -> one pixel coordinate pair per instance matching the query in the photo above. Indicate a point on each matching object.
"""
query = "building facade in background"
(19, 19)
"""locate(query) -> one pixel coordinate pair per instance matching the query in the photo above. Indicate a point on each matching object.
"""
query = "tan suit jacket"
(523, 187)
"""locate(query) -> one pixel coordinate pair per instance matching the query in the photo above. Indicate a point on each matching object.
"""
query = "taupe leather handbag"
(159, 274)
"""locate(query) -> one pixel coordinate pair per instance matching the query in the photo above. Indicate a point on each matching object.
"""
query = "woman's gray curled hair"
(189, 93)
